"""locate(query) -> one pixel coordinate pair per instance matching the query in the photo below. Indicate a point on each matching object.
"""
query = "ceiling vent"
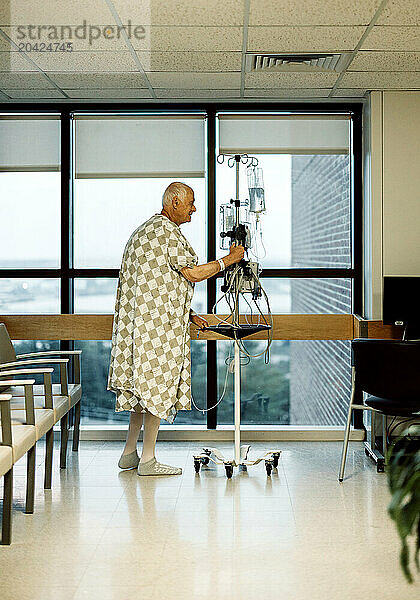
(267, 63)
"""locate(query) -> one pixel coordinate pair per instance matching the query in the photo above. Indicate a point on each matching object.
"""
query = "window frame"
(67, 273)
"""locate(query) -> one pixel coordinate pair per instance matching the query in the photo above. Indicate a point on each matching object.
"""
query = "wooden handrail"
(285, 327)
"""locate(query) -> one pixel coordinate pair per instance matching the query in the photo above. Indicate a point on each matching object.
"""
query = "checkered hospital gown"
(150, 365)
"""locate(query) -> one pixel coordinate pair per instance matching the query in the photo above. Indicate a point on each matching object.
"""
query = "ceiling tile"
(58, 12)
(101, 38)
(34, 93)
(84, 61)
(97, 80)
(392, 38)
(24, 80)
(290, 80)
(286, 93)
(206, 62)
(202, 39)
(385, 61)
(188, 12)
(109, 93)
(303, 39)
(5, 46)
(400, 12)
(312, 12)
(195, 80)
(349, 93)
(383, 80)
(196, 93)
(15, 61)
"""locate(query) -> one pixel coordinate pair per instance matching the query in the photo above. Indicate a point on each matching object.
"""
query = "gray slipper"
(129, 461)
(153, 467)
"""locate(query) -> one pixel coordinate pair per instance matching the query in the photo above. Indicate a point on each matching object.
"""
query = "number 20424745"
(42, 47)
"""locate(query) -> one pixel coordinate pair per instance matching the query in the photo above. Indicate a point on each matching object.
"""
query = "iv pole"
(270, 458)
(237, 358)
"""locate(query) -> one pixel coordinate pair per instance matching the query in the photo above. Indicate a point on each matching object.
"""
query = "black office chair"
(389, 372)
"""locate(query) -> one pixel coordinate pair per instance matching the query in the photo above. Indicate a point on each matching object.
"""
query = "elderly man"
(150, 369)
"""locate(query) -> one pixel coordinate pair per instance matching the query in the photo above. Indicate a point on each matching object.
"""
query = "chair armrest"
(60, 361)
(49, 353)
(75, 354)
(18, 363)
(47, 382)
(6, 426)
(29, 396)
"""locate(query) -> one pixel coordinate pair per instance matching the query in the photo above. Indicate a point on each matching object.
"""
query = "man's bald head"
(176, 189)
(178, 202)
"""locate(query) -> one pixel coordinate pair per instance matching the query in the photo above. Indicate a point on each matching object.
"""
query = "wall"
(320, 377)
(392, 197)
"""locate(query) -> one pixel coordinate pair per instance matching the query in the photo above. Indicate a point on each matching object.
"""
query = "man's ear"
(175, 202)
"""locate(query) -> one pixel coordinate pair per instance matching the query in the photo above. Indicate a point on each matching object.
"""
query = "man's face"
(186, 208)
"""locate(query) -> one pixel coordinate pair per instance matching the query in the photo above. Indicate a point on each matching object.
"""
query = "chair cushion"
(399, 408)
(44, 419)
(60, 405)
(23, 438)
(6, 461)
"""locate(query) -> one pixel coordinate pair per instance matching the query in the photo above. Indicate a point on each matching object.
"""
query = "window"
(119, 164)
(306, 228)
(29, 191)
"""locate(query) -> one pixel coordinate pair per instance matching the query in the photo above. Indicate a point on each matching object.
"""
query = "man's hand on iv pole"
(236, 254)
(203, 272)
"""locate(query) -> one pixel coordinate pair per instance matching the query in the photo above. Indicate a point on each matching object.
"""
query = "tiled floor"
(105, 534)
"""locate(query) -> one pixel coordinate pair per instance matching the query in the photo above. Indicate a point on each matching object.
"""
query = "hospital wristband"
(221, 263)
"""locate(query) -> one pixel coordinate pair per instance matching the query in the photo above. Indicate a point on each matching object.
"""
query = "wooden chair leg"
(49, 449)
(64, 422)
(6, 529)
(30, 480)
(76, 428)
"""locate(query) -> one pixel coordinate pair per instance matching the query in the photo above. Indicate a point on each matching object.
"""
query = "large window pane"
(30, 205)
(26, 295)
(306, 182)
(305, 383)
(94, 295)
(310, 296)
(264, 388)
(107, 211)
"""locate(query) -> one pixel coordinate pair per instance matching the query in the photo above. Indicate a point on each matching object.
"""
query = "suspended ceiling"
(193, 49)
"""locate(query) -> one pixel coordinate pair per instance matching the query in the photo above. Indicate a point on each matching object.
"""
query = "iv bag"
(256, 190)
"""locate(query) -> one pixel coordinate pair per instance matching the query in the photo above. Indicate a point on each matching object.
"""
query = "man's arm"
(203, 272)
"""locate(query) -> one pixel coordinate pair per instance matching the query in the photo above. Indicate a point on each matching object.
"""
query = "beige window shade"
(140, 146)
(284, 134)
(29, 143)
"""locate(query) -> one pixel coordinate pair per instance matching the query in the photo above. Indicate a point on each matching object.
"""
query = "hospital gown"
(150, 365)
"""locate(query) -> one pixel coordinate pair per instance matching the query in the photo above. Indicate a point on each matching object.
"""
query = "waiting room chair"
(64, 396)
(388, 371)
(6, 468)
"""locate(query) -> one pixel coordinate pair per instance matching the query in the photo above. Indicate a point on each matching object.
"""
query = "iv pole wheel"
(276, 456)
(269, 466)
(229, 470)
(204, 460)
(197, 464)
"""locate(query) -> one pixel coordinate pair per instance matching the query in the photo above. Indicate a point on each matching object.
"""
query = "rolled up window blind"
(29, 142)
(284, 134)
(139, 146)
